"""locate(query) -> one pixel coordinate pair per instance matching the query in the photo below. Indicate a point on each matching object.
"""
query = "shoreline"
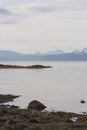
(33, 118)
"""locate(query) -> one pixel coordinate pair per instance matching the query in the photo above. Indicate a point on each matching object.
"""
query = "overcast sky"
(30, 26)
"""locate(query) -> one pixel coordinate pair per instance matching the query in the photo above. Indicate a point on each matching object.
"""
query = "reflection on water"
(60, 88)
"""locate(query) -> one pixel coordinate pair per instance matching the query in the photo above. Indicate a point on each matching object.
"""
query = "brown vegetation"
(14, 118)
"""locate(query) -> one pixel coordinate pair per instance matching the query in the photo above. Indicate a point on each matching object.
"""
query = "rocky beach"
(34, 118)
(43, 65)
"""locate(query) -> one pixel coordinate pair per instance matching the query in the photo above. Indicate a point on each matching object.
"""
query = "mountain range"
(55, 55)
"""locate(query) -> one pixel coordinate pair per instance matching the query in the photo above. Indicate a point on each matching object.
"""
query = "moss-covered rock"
(36, 105)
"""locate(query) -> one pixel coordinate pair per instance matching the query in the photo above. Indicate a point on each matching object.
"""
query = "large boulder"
(36, 105)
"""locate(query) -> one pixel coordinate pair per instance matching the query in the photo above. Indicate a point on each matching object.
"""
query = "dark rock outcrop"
(7, 98)
(82, 101)
(36, 105)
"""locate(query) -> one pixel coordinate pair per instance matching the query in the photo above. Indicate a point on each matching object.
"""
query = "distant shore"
(14, 118)
(2, 66)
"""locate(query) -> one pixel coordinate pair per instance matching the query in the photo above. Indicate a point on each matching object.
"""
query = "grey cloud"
(8, 22)
(12, 16)
(43, 9)
(59, 6)
(4, 11)
(9, 19)
(9, 16)
(39, 7)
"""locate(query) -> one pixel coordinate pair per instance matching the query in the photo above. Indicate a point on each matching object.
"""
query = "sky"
(30, 26)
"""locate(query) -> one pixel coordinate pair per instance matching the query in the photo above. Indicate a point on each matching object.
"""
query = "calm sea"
(60, 88)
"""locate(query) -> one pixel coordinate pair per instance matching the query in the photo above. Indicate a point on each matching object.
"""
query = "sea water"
(60, 88)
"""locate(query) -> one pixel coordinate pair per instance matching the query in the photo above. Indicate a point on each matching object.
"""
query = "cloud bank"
(4, 11)
(23, 10)
(46, 24)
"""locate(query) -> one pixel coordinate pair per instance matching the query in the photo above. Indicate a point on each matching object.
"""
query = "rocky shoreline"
(7, 98)
(2, 66)
(33, 118)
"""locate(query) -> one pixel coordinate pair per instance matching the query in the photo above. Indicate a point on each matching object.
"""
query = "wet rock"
(14, 107)
(7, 98)
(4, 128)
(19, 126)
(1, 113)
(82, 119)
(25, 116)
(11, 121)
(69, 121)
(2, 120)
(82, 101)
(36, 105)
(33, 121)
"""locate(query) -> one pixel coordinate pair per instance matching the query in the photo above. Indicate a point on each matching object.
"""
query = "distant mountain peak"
(55, 55)
(8, 51)
(55, 52)
(82, 51)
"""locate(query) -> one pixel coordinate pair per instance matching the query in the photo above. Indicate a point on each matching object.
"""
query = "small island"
(2, 66)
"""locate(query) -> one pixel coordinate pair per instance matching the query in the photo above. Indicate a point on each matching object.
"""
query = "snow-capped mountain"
(55, 52)
(82, 51)
(56, 55)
